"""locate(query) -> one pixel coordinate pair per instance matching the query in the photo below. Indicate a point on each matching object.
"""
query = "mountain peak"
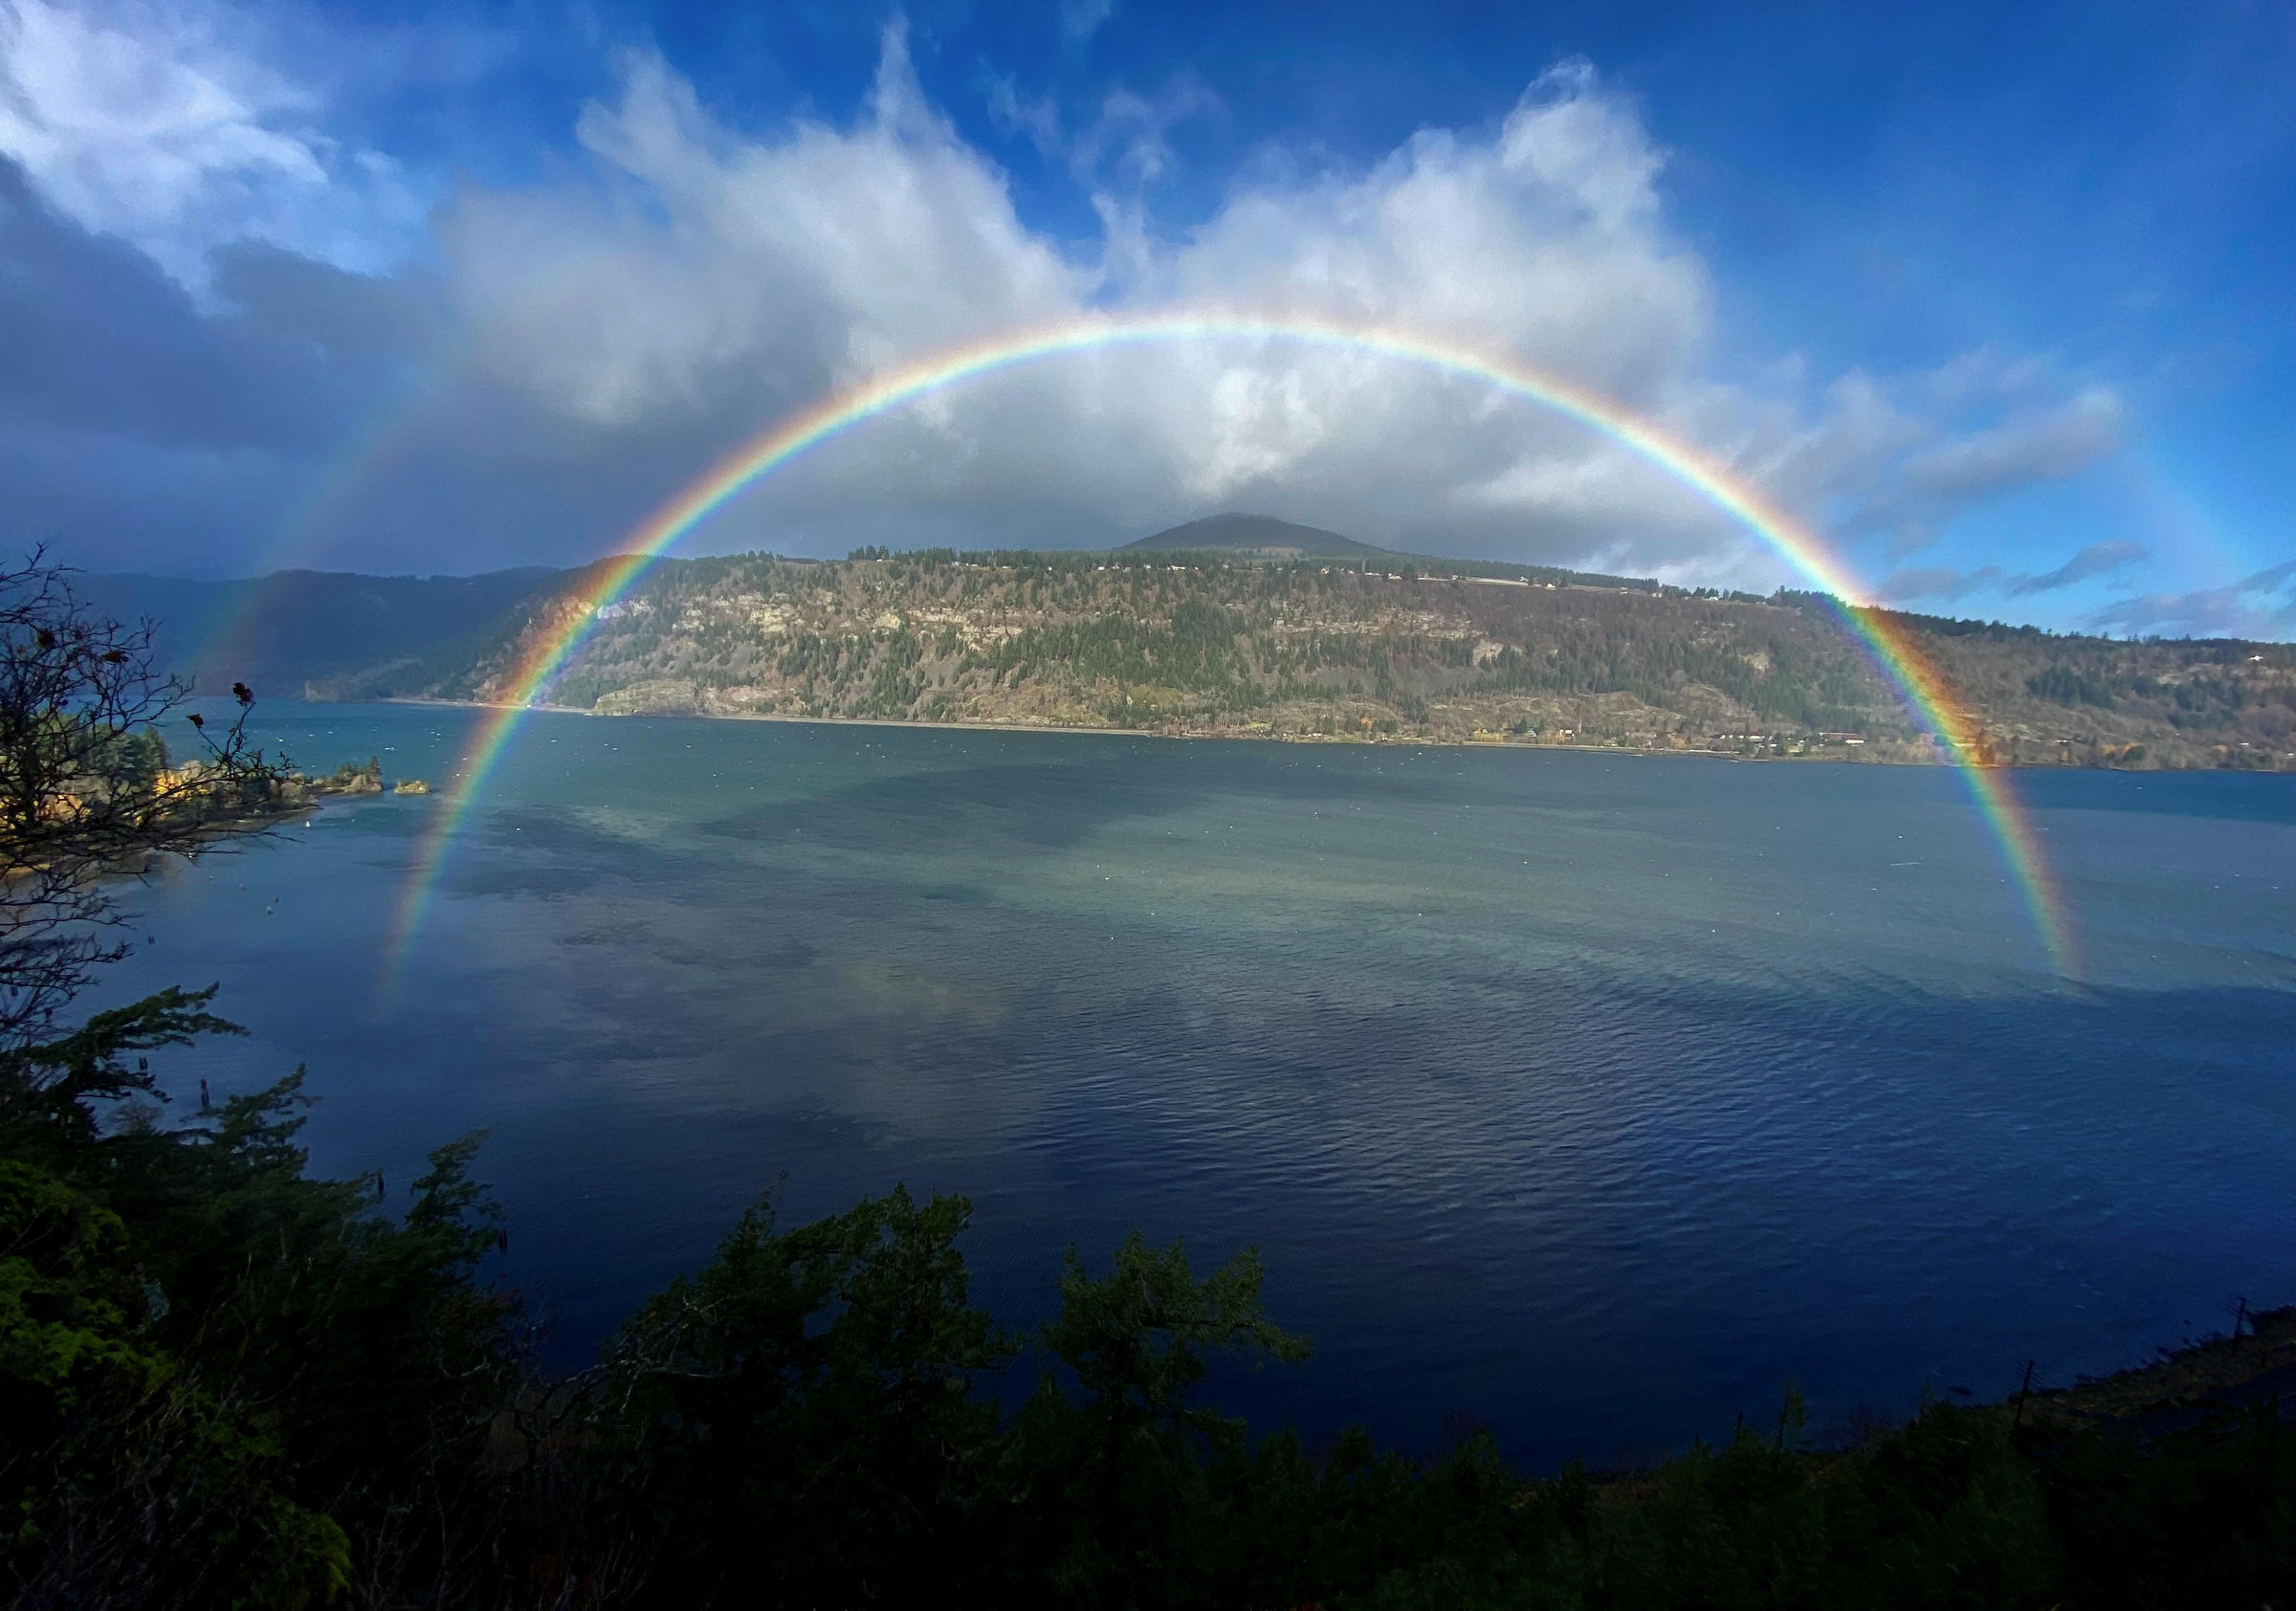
(1260, 536)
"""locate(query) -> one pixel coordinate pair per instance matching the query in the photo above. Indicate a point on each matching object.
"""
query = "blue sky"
(1998, 299)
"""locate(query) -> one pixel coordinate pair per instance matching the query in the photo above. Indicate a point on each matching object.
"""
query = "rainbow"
(226, 638)
(1893, 650)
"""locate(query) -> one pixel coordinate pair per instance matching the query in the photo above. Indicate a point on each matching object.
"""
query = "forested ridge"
(1433, 650)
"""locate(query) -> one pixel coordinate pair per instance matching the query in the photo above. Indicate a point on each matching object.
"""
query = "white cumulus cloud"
(151, 123)
(715, 272)
(719, 273)
(710, 277)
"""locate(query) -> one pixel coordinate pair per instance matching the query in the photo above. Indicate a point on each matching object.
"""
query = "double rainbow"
(1893, 650)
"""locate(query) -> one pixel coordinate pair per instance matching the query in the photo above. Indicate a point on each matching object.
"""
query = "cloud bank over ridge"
(567, 351)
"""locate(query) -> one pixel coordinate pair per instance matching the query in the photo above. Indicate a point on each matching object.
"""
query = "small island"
(349, 778)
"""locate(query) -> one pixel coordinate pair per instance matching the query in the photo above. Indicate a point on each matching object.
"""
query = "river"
(1588, 1097)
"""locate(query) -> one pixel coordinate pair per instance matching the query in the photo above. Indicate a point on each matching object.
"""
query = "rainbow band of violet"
(1893, 650)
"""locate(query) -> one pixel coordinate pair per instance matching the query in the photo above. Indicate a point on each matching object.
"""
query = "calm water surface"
(1589, 1098)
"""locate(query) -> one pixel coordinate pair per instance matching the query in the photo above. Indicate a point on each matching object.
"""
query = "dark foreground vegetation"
(223, 1382)
(227, 1383)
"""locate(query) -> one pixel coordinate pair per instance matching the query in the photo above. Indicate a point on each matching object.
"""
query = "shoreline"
(2184, 1385)
(1220, 736)
(1229, 736)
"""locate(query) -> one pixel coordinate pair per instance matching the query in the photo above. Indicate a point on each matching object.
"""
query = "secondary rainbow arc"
(1893, 650)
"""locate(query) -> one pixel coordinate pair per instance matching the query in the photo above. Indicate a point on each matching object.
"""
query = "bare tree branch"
(88, 792)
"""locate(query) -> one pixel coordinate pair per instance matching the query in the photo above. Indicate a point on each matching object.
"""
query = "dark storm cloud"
(294, 413)
(95, 337)
(141, 425)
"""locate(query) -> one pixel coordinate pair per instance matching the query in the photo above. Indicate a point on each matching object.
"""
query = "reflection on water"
(1594, 1096)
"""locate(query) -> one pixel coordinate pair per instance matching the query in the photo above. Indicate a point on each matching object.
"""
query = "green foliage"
(2062, 685)
(2204, 1518)
(124, 1479)
(1116, 1491)
(801, 1419)
(65, 1297)
(54, 1096)
(129, 763)
(215, 1371)
(1137, 1339)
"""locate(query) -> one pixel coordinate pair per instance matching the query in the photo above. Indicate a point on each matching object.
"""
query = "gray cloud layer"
(2098, 558)
(2261, 605)
(1942, 583)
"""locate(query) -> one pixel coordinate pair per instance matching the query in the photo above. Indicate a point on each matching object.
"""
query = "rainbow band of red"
(1893, 650)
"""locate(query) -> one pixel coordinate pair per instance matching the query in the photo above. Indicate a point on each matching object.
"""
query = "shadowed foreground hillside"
(1199, 643)
(227, 1382)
